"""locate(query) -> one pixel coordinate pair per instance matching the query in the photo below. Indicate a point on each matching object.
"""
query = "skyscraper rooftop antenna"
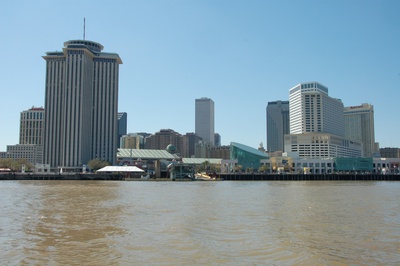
(84, 30)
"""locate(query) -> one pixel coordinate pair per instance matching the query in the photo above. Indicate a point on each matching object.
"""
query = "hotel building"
(359, 126)
(81, 103)
(317, 124)
(31, 126)
(312, 110)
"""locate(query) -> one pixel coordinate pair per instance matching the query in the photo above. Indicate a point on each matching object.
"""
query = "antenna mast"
(84, 24)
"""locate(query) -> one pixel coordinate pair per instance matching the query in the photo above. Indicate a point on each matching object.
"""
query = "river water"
(199, 223)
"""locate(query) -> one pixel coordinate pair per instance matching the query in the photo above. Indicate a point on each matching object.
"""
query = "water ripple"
(197, 223)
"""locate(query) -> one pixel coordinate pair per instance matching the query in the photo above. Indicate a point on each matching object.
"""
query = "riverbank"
(219, 177)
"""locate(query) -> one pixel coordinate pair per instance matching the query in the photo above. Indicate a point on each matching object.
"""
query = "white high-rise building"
(317, 124)
(312, 110)
(359, 125)
(204, 122)
(81, 105)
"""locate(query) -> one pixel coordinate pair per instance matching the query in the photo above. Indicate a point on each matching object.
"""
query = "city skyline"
(240, 54)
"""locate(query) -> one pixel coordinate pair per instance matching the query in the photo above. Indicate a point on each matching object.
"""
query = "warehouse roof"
(146, 154)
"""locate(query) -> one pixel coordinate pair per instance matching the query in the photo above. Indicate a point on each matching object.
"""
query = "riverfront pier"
(309, 177)
(226, 177)
(64, 176)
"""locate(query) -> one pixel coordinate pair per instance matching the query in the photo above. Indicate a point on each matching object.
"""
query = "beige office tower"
(31, 126)
(359, 125)
(81, 105)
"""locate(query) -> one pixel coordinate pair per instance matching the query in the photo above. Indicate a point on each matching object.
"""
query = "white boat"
(145, 176)
(203, 177)
(137, 177)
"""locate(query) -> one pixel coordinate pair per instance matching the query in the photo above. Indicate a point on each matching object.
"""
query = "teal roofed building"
(354, 164)
(246, 156)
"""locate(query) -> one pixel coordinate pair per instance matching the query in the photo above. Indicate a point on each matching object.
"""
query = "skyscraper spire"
(84, 30)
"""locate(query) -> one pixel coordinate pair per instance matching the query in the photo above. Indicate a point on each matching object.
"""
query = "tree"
(96, 164)
(204, 167)
(263, 168)
(238, 168)
(15, 165)
(249, 170)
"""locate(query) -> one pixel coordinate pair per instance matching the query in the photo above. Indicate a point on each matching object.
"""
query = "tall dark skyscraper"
(277, 125)
(122, 126)
(189, 141)
(81, 105)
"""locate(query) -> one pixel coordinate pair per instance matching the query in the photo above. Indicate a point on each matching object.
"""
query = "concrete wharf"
(227, 177)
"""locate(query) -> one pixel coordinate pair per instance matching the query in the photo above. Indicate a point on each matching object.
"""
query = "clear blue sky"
(242, 54)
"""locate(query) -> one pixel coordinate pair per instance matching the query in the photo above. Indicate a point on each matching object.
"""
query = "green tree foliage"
(206, 166)
(96, 164)
(249, 170)
(263, 168)
(16, 165)
(238, 168)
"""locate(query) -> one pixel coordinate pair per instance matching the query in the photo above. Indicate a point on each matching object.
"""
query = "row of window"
(315, 164)
(32, 115)
(71, 52)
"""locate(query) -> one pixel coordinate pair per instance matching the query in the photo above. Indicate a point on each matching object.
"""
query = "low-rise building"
(322, 145)
(3, 154)
(31, 152)
(390, 152)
